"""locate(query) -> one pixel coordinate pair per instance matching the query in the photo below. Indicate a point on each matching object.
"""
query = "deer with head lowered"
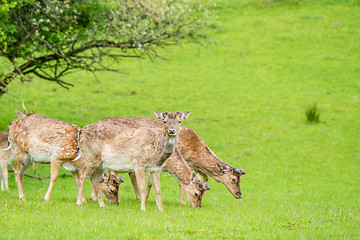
(5, 155)
(38, 139)
(196, 154)
(123, 148)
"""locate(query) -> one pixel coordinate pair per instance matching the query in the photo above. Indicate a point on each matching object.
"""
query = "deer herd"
(103, 149)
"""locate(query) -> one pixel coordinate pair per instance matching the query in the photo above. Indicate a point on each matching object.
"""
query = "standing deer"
(39, 139)
(196, 154)
(123, 148)
(5, 156)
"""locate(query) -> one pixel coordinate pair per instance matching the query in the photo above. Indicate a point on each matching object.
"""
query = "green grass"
(247, 95)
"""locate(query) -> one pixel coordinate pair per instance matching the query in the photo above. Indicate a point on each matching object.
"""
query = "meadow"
(247, 93)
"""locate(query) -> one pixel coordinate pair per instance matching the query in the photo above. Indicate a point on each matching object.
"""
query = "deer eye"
(164, 121)
(233, 180)
(111, 191)
(179, 121)
(196, 195)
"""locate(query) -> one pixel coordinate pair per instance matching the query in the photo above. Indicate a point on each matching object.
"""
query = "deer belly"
(70, 167)
(118, 167)
(153, 168)
(115, 161)
(40, 157)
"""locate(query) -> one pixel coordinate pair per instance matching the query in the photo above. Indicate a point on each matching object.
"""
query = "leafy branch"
(49, 39)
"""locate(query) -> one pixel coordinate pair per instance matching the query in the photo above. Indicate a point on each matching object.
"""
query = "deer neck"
(208, 164)
(165, 146)
(178, 168)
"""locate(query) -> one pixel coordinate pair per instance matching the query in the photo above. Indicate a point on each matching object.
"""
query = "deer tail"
(79, 155)
(7, 147)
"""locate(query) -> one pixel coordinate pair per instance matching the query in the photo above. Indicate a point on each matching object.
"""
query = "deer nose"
(172, 131)
(239, 195)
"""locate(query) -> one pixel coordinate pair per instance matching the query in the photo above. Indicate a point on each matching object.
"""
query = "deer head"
(230, 176)
(172, 121)
(26, 113)
(110, 185)
(196, 190)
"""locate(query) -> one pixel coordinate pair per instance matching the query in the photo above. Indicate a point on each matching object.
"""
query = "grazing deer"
(5, 155)
(196, 154)
(122, 148)
(39, 139)
(188, 180)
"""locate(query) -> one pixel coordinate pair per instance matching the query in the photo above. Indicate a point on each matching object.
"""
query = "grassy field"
(247, 94)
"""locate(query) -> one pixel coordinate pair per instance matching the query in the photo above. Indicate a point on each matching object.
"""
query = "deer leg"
(132, 176)
(55, 166)
(77, 181)
(4, 175)
(24, 167)
(95, 181)
(140, 177)
(1, 176)
(93, 194)
(19, 173)
(155, 178)
(182, 195)
(149, 185)
(83, 175)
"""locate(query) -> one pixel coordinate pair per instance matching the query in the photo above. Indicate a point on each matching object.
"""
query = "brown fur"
(35, 138)
(123, 148)
(197, 155)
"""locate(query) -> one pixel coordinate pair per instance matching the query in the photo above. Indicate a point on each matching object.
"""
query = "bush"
(312, 113)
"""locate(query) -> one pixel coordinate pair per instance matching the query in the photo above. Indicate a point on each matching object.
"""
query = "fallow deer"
(196, 154)
(38, 139)
(122, 148)
(188, 180)
(5, 155)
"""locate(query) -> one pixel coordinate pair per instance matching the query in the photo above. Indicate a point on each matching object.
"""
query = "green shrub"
(312, 113)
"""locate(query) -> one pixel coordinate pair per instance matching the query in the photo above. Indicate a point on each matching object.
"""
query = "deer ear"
(159, 115)
(193, 177)
(185, 115)
(121, 179)
(19, 114)
(198, 177)
(105, 177)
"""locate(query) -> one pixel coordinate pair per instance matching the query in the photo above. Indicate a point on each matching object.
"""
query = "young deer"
(5, 156)
(122, 148)
(196, 154)
(38, 139)
(188, 180)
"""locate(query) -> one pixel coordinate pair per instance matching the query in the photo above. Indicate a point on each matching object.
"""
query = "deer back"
(35, 134)
(120, 146)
